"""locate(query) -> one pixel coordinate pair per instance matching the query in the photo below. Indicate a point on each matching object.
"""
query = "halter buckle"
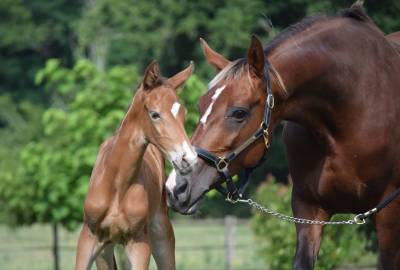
(221, 164)
(265, 135)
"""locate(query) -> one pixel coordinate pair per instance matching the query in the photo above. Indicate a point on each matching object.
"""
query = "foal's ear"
(213, 58)
(180, 78)
(152, 76)
(255, 56)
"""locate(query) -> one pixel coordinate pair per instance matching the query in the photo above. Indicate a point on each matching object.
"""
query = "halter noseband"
(232, 192)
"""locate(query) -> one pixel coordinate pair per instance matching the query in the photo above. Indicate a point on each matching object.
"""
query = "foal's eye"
(154, 115)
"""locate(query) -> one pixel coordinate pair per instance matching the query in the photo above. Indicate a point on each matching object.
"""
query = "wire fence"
(215, 244)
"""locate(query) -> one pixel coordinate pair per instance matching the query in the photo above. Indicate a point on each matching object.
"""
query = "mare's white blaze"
(175, 109)
(217, 93)
(171, 181)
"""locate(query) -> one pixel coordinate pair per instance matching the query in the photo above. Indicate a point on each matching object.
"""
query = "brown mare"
(336, 81)
(126, 202)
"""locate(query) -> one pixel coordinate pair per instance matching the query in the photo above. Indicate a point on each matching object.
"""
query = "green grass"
(199, 246)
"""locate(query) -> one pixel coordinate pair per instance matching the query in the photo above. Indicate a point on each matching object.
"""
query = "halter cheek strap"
(232, 192)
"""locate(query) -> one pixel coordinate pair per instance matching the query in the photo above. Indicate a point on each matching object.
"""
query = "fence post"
(56, 256)
(230, 224)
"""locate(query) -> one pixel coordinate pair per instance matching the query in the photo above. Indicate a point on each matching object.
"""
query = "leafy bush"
(277, 239)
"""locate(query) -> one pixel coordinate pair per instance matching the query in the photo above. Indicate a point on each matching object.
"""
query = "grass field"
(199, 246)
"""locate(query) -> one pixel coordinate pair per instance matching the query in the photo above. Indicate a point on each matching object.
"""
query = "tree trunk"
(98, 46)
(55, 247)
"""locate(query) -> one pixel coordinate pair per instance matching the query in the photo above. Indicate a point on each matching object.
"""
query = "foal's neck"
(129, 146)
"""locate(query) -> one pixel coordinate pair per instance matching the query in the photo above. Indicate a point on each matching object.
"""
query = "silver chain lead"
(356, 220)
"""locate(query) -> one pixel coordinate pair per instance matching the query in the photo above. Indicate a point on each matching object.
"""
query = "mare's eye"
(154, 115)
(239, 114)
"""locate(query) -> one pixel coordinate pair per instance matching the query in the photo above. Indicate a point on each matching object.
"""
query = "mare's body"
(336, 80)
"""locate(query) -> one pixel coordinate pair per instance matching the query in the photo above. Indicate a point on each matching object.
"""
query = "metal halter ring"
(221, 164)
(270, 101)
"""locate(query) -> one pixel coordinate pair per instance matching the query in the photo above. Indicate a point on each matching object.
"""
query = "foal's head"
(160, 116)
(231, 111)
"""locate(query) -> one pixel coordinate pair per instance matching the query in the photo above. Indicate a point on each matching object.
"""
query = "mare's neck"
(309, 98)
(324, 75)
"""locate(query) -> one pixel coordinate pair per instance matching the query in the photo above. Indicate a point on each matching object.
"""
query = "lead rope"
(358, 219)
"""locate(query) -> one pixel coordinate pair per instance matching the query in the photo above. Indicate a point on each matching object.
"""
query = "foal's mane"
(239, 66)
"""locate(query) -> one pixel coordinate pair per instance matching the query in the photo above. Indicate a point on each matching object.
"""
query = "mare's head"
(161, 116)
(231, 111)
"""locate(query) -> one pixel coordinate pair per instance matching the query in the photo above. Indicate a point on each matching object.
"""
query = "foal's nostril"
(185, 162)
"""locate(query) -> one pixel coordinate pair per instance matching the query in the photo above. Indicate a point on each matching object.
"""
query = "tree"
(31, 32)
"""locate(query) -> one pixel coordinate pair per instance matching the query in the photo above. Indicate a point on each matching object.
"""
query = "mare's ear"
(152, 76)
(255, 56)
(213, 58)
(180, 78)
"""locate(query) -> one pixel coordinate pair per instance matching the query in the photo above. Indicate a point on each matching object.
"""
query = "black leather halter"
(232, 192)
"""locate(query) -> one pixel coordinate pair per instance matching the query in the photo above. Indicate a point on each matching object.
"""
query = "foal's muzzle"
(183, 157)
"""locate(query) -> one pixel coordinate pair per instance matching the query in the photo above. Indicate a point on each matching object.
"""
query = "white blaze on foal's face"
(175, 109)
(214, 98)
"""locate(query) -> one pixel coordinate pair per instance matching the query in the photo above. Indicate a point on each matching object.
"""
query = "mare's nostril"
(182, 187)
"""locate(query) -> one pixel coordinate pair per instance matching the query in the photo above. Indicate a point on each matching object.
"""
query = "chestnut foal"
(126, 202)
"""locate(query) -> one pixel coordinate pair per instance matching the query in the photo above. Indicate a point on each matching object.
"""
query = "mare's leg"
(138, 252)
(388, 230)
(105, 260)
(87, 246)
(304, 154)
(162, 241)
(308, 236)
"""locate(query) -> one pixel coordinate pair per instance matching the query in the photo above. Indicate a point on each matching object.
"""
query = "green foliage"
(52, 178)
(277, 238)
(190, 96)
(19, 123)
(31, 32)
(167, 30)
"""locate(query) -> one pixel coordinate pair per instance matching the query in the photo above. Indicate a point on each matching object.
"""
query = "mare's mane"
(238, 67)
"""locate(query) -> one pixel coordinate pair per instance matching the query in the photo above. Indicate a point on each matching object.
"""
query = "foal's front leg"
(88, 249)
(138, 252)
(308, 236)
